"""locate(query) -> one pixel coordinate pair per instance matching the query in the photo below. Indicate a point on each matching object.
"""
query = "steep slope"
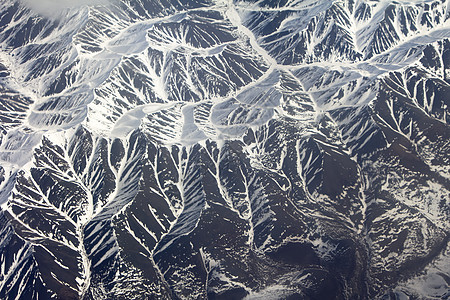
(210, 149)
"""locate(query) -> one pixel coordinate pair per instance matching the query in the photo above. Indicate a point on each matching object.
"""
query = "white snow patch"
(273, 292)
(131, 120)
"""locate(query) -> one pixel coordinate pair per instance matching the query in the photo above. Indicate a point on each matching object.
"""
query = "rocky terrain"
(211, 149)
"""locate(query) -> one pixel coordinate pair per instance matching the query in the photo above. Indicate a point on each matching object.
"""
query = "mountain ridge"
(247, 149)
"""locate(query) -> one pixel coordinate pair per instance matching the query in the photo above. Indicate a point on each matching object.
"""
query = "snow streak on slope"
(235, 149)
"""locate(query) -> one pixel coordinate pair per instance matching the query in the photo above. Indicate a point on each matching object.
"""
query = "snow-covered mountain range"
(215, 149)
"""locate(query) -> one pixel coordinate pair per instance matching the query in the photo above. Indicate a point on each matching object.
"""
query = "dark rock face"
(225, 149)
